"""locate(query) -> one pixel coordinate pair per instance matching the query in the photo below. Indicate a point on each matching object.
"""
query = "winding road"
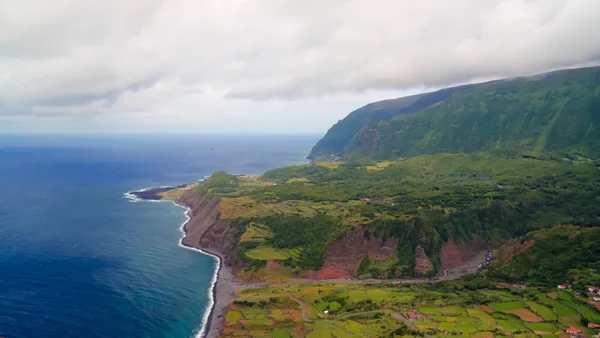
(303, 305)
(394, 314)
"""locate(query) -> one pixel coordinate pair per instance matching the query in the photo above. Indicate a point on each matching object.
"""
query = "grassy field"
(506, 306)
(330, 165)
(363, 310)
(544, 311)
(265, 253)
(379, 166)
(559, 308)
(256, 232)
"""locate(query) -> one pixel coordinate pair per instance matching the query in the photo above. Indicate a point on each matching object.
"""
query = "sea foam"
(201, 331)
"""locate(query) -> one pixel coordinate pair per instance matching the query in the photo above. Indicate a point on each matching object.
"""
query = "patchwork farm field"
(378, 310)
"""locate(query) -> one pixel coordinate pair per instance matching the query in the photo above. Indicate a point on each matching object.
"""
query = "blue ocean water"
(79, 260)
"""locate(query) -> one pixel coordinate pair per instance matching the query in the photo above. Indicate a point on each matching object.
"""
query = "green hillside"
(340, 134)
(551, 256)
(558, 111)
(293, 214)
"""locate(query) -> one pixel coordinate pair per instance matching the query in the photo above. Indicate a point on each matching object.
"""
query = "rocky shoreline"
(225, 283)
(154, 194)
(217, 287)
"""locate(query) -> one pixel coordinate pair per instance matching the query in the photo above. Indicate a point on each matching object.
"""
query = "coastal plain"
(388, 310)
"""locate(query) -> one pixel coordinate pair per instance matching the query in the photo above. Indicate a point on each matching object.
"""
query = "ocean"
(78, 259)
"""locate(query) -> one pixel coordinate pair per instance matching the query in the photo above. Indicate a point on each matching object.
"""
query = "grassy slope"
(555, 111)
(557, 255)
(340, 134)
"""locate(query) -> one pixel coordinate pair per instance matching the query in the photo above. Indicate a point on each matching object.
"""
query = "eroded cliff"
(342, 258)
(453, 256)
(206, 230)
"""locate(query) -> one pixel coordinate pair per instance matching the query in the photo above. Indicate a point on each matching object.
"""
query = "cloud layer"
(266, 64)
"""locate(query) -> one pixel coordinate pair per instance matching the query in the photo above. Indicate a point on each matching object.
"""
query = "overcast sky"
(264, 65)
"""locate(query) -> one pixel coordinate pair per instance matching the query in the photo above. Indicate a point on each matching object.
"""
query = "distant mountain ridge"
(556, 111)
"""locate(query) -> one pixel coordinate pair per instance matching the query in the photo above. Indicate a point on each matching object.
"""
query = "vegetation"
(557, 111)
(341, 134)
(291, 215)
(563, 254)
(513, 161)
(219, 182)
(379, 310)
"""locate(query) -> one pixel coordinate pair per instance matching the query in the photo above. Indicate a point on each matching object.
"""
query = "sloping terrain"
(551, 256)
(558, 111)
(341, 134)
(392, 219)
(444, 309)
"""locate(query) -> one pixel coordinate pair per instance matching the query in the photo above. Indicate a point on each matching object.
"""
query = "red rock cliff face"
(343, 256)
(452, 256)
(422, 262)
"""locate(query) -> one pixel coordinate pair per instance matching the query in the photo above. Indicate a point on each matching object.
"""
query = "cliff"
(206, 230)
(343, 257)
(422, 263)
(452, 256)
(550, 112)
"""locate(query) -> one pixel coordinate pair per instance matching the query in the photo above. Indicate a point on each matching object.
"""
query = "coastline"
(212, 293)
(223, 283)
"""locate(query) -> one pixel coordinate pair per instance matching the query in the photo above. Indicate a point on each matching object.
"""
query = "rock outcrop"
(422, 263)
(342, 258)
(452, 256)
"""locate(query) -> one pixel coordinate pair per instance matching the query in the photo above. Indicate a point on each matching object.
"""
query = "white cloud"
(266, 64)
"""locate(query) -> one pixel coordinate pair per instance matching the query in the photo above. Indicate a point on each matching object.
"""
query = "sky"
(278, 66)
